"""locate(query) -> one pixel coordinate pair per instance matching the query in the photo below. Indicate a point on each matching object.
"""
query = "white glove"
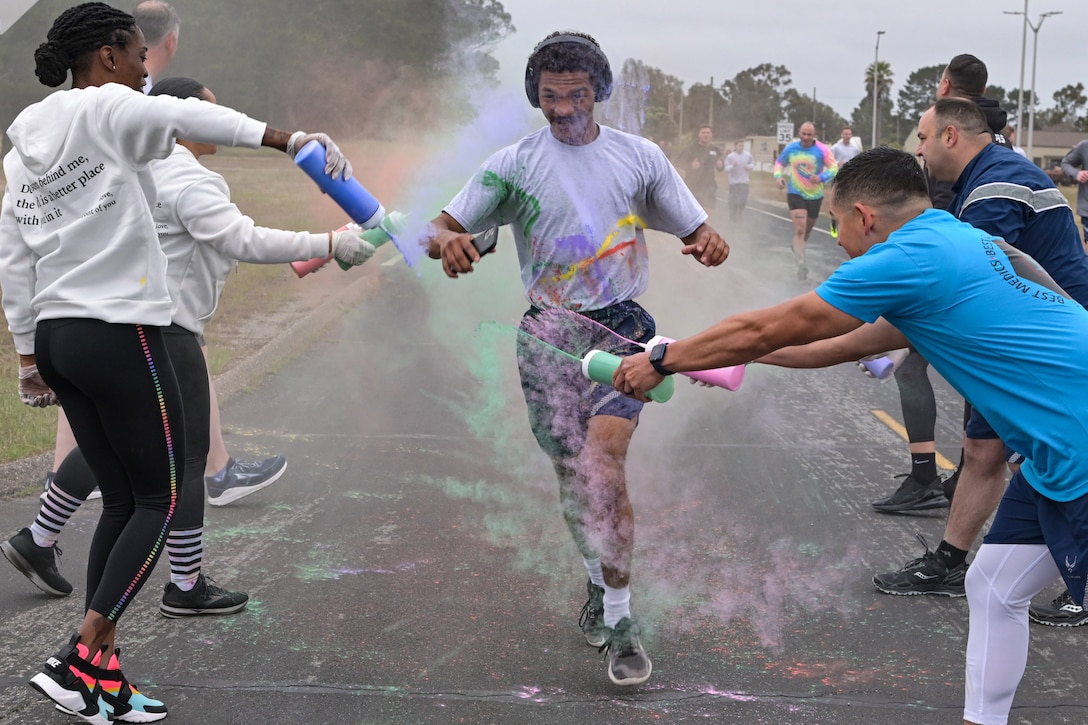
(33, 390)
(350, 248)
(336, 164)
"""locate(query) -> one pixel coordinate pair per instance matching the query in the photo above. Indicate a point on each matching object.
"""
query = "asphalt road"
(412, 565)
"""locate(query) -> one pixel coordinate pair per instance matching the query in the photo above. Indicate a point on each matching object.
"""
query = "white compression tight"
(1000, 583)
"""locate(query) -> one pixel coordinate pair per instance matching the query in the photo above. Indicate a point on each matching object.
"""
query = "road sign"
(785, 132)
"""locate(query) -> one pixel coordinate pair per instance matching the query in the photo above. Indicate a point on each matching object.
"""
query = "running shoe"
(204, 598)
(913, 495)
(124, 702)
(924, 575)
(68, 680)
(241, 478)
(591, 619)
(37, 563)
(1062, 612)
(949, 486)
(628, 663)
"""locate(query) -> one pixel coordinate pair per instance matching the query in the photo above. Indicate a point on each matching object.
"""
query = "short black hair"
(76, 33)
(179, 87)
(965, 115)
(572, 57)
(882, 176)
(967, 75)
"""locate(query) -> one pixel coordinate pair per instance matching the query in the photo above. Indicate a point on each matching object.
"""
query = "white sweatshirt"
(76, 234)
(203, 234)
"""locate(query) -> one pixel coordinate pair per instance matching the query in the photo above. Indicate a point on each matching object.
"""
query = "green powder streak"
(564, 353)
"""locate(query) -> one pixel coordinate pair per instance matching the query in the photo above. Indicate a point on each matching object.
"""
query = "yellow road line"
(942, 462)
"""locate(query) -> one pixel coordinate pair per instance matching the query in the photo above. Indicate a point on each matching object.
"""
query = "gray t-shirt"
(739, 167)
(578, 213)
(843, 152)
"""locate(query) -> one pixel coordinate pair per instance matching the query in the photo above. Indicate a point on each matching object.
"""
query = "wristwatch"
(657, 354)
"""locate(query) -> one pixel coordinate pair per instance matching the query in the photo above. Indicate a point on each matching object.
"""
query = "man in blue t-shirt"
(997, 190)
(964, 299)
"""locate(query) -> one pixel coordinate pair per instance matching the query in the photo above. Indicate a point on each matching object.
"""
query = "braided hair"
(76, 33)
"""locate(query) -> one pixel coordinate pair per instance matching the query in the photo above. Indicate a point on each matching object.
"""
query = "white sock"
(617, 605)
(186, 552)
(593, 567)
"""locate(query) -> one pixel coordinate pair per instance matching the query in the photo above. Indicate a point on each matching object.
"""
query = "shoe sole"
(27, 570)
(1065, 625)
(915, 593)
(627, 682)
(233, 494)
(939, 502)
(67, 699)
(180, 612)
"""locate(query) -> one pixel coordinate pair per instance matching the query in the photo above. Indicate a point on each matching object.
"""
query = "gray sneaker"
(591, 619)
(628, 663)
(38, 564)
(241, 478)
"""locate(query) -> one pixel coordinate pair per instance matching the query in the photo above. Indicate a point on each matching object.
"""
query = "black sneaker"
(914, 495)
(38, 564)
(77, 693)
(241, 478)
(204, 598)
(627, 661)
(1062, 612)
(591, 620)
(925, 575)
(949, 486)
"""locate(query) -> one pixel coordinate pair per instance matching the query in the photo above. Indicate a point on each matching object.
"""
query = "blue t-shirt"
(991, 322)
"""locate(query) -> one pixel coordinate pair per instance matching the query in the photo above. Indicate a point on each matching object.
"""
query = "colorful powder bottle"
(883, 366)
(599, 366)
(392, 224)
(359, 203)
(729, 378)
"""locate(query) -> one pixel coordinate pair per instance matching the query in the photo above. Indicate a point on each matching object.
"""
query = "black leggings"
(76, 478)
(118, 389)
(916, 397)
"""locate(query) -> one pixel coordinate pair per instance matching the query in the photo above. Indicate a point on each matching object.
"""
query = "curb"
(17, 476)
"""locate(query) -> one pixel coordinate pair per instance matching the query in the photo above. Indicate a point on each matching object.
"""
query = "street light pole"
(876, 84)
(1034, 56)
(1023, 57)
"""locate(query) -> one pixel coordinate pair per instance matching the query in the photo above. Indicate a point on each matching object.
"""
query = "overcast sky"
(828, 52)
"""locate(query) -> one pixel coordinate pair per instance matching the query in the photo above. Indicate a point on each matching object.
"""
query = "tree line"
(755, 99)
(368, 66)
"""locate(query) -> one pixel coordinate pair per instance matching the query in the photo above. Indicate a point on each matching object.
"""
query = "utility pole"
(1023, 57)
(711, 121)
(876, 83)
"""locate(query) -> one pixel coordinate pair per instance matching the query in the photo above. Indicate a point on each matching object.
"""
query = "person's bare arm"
(447, 240)
(854, 345)
(739, 339)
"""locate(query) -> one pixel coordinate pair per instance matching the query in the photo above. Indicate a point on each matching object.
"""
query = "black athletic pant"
(76, 478)
(916, 397)
(118, 389)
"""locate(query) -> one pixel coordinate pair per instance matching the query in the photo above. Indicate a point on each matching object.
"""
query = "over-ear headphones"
(602, 87)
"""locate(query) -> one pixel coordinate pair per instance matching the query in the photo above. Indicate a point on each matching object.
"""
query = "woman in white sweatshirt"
(86, 298)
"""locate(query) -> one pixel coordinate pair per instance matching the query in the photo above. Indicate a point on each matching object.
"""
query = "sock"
(923, 466)
(617, 605)
(186, 552)
(949, 555)
(58, 507)
(593, 567)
